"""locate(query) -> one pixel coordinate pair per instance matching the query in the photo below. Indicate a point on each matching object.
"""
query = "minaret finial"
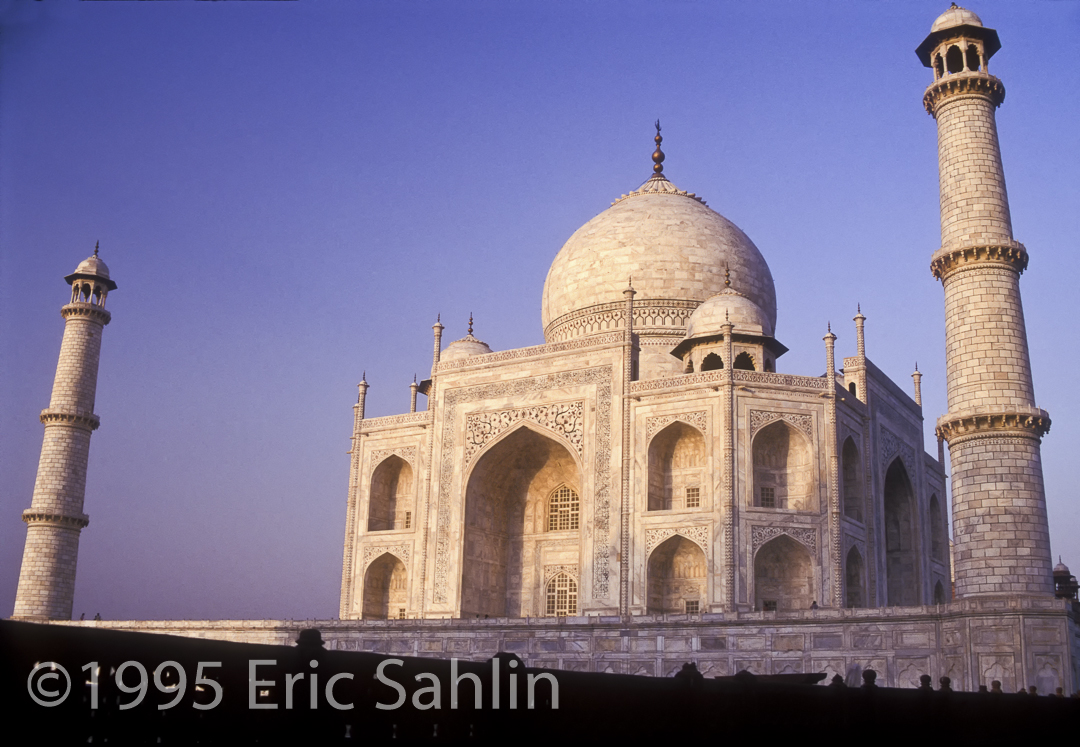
(658, 155)
(828, 326)
(470, 322)
(96, 245)
(438, 318)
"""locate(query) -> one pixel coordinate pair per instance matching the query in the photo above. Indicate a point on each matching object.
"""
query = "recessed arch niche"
(676, 575)
(676, 464)
(900, 558)
(783, 576)
(783, 468)
(851, 467)
(386, 588)
(506, 506)
(390, 504)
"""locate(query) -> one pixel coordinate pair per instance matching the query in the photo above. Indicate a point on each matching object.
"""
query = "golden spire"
(470, 322)
(658, 155)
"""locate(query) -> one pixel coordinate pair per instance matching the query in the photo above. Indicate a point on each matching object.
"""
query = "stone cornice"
(982, 85)
(952, 258)
(486, 359)
(86, 311)
(76, 419)
(422, 418)
(31, 516)
(1021, 422)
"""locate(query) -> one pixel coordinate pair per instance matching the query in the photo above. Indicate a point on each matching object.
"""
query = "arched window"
(939, 66)
(561, 596)
(563, 510)
(712, 362)
(676, 468)
(783, 468)
(973, 58)
(954, 59)
(744, 362)
(853, 389)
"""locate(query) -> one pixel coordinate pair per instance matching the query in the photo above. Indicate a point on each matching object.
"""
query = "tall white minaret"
(1001, 539)
(55, 517)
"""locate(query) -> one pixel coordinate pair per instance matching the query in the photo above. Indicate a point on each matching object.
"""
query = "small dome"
(747, 317)
(466, 347)
(1061, 567)
(93, 266)
(955, 16)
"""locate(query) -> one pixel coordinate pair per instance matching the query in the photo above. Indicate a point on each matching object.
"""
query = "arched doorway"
(900, 561)
(854, 579)
(783, 576)
(386, 588)
(677, 576)
(676, 468)
(391, 496)
(783, 468)
(511, 491)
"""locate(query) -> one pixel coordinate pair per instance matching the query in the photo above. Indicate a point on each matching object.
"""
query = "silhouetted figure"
(995, 687)
(925, 682)
(869, 677)
(1032, 690)
(97, 615)
(945, 685)
(689, 675)
(813, 605)
(82, 616)
(837, 681)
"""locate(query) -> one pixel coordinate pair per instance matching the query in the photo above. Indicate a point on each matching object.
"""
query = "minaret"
(55, 517)
(1000, 532)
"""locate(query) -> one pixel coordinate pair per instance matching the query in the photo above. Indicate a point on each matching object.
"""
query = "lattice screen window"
(768, 498)
(692, 607)
(693, 497)
(401, 613)
(561, 596)
(408, 519)
(563, 510)
(768, 605)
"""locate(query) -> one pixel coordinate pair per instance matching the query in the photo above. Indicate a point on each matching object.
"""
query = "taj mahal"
(650, 486)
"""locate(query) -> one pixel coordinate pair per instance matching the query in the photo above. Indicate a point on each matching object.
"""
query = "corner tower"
(1001, 537)
(55, 517)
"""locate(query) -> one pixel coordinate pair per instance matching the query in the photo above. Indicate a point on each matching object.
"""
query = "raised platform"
(1018, 641)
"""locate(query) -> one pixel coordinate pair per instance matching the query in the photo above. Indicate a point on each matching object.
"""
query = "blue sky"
(289, 192)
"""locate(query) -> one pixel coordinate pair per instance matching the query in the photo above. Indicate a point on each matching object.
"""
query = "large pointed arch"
(851, 470)
(507, 496)
(901, 564)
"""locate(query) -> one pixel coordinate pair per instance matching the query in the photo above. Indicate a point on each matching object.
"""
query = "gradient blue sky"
(288, 193)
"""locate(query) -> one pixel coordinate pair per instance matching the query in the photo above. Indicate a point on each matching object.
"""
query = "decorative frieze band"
(1029, 423)
(698, 535)
(400, 551)
(715, 378)
(697, 419)
(535, 351)
(760, 534)
(564, 418)
(667, 315)
(760, 418)
(775, 379)
(410, 418)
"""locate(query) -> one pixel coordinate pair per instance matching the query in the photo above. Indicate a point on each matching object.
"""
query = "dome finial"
(96, 245)
(658, 155)
(727, 276)
(470, 322)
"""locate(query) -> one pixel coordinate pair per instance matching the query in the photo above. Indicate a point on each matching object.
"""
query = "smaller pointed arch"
(676, 468)
(385, 588)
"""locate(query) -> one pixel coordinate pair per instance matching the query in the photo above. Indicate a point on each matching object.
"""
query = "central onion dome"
(675, 249)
